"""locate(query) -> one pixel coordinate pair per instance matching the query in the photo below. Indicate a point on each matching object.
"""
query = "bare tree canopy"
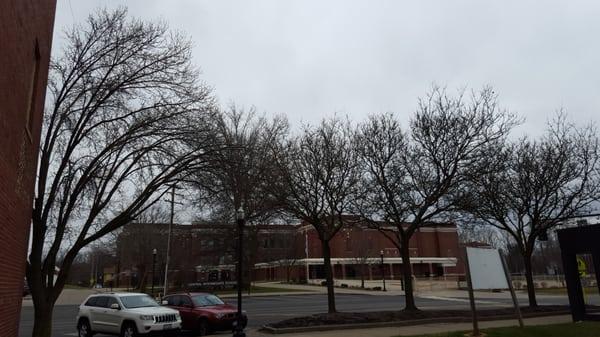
(320, 174)
(536, 184)
(413, 178)
(243, 168)
(122, 96)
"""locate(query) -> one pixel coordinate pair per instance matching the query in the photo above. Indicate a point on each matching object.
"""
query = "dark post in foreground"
(476, 332)
(239, 328)
(382, 270)
(153, 269)
(578, 241)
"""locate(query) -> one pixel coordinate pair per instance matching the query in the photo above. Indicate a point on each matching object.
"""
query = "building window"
(35, 74)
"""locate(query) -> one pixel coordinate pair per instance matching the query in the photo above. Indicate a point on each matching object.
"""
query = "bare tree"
(154, 214)
(289, 252)
(320, 173)
(244, 167)
(413, 178)
(363, 254)
(121, 97)
(476, 231)
(536, 185)
(241, 172)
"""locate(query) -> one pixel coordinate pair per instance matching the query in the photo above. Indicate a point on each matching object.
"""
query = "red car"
(203, 312)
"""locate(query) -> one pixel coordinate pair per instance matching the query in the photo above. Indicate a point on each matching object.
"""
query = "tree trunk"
(409, 297)
(42, 324)
(328, 276)
(529, 279)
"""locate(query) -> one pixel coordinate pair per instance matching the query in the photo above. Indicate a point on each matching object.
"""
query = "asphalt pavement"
(263, 310)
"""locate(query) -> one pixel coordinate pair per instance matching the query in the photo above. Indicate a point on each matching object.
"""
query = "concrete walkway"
(68, 296)
(418, 329)
(322, 289)
(76, 296)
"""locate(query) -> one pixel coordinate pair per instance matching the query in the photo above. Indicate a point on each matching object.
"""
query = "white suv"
(127, 315)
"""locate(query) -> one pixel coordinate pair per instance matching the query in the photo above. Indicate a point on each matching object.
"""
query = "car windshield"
(206, 300)
(138, 301)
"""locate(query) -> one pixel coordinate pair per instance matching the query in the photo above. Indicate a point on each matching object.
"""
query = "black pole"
(153, 269)
(239, 329)
(471, 296)
(383, 271)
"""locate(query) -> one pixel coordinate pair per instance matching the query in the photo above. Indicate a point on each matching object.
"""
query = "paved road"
(262, 310)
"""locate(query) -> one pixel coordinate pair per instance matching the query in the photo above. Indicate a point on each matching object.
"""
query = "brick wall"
(25, 38)
(439, 241)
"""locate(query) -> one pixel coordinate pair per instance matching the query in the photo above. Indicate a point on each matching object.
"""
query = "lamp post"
(153, 268)
(382, 269)
(240, 219)
(166, 286)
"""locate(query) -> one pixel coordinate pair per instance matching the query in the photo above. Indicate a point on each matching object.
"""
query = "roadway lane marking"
(453, 299)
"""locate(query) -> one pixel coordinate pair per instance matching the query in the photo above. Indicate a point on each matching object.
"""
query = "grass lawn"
(261, 290)
(585, 329)
(563, 291)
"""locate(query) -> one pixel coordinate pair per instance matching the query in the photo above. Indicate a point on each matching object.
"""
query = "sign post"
(486, 270)
(471, 296)
(512, 292)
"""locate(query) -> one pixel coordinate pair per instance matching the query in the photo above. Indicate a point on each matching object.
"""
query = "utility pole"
(92, 277)
(306, 252)
(382, 270)
(166, 286)
(239, 328)
(153, 268)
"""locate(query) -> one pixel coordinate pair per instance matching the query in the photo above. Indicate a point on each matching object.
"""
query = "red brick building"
(281, 252)
(25, 39)
(434, 252)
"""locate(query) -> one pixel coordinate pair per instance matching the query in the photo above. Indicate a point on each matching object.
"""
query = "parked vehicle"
(127, 315)
(203, 312)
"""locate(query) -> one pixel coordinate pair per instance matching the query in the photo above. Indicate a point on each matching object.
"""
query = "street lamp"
(153, 268)
(240, 218)
(382, 269)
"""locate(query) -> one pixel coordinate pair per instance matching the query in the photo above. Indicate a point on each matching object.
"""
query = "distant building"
(206, 252)
(434, 252)
(25, 38)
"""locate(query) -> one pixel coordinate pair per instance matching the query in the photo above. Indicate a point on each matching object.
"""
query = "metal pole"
(166, 287)
(382, 270)
(471, 296)
(239, 329)
(153, 268)
(306, 252)
(92, 275)
(512, 291)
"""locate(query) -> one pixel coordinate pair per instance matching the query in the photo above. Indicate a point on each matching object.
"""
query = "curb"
(271, 330)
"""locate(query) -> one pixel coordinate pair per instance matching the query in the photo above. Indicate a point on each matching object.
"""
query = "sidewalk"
(449, 294)
(68, 296)
(417, 329)
(338, 290)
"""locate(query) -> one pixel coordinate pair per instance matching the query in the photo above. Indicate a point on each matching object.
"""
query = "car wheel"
(202, 329)
(129, 330)
(84, 329)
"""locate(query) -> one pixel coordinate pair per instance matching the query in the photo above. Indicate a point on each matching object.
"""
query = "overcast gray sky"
(310, 59)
